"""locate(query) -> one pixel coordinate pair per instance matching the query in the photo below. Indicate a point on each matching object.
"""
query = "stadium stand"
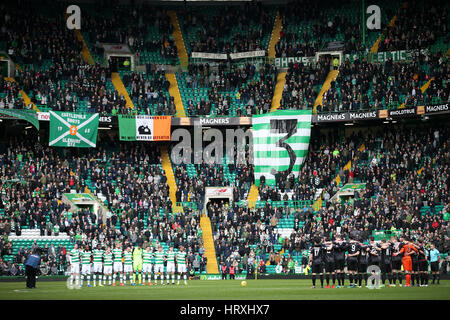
(403, 167)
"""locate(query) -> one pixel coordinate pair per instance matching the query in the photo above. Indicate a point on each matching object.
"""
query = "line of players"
(107, 265)
(389, 256)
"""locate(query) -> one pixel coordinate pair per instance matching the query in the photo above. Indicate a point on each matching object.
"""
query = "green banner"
(280, 143)
(27, 115)
(69, 129)
(353, 186)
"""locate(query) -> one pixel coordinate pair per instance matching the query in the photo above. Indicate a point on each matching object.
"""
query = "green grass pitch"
(217, 290)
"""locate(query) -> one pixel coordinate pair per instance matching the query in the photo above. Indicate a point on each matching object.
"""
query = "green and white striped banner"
(280, 143)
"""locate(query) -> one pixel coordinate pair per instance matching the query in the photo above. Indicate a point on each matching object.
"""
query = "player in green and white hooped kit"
(160, 256)
(107, 265)
(170, 265)
(137, 264)
(181, 264)
(74, 256)
(118, 267)
(128, 266)
(147, 266)
(98, 264)
(86, 265)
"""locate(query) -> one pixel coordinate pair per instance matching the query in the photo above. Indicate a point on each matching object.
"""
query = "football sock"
(400, 277)
(438, 278)
(408, 279)
(383, 278)
(434, 277)
(328, 279)
(413, 278)
(350, 278)
(360, 277)
(390, 278)
(314, 280)
(321, 280)
(333, 276)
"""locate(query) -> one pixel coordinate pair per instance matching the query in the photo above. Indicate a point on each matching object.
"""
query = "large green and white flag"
(69, 129)
(280, 143)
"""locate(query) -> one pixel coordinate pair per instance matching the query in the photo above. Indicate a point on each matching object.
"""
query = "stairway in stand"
(208, 242)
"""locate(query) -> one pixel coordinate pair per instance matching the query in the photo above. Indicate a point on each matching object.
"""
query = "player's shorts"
(329, 267)
(137, 266)
(415, 265)
(128, 268)
(316, 268)
(85, 269)
(159, 268)
(75, 268)
(98, 267)
(170, 267)
(435, 266)
(352, 264)
(339, 264)
(107, 270)
(362, 267)
(181, 268)
(374, 263)
(407, 264)
(386, 267)
(147, 268)
(118, 267)
(396, 264)
(423, 266)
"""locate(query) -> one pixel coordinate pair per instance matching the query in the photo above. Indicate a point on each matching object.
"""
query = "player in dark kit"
(353, 249)
(374, 253)
(328, 257)
(423, 263)
(397, 262)
(386, 262)
(363, 263)
(415, 267)
(316, 260)
(339, 247)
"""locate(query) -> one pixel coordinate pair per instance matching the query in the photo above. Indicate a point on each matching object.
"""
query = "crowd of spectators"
(143, 28)
(404, 170)
(303, 83)
(34, 38)
(131, 179)
(150, 92)
(418, 25)
(307, 26)
(362, 85)
(227, 29)
(10, 96)
(231, 91)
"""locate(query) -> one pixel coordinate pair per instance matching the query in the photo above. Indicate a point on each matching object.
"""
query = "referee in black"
(31, 268)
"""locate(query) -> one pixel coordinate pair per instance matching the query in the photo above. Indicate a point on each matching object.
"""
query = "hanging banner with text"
(70, 129)
(144, 128)
(284, 62)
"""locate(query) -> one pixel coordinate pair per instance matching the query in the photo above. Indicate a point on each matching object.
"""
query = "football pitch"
(299, 289)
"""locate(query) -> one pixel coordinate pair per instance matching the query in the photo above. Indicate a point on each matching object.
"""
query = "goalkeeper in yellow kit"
(137, 263)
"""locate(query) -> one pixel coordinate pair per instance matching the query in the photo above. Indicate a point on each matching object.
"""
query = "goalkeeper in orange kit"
(407, 250)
